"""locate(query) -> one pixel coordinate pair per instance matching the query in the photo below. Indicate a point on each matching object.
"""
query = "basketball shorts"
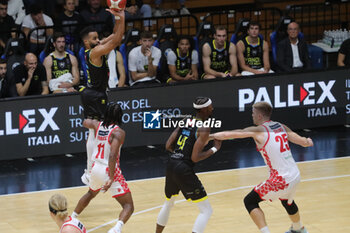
(99, 176)
(272, 190)
(181, 176)
(94, 103)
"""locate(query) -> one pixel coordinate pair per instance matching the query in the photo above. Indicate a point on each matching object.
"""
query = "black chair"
(14, 54)
(205, 34)
(166, 40)
(131, 40)
(240, 31)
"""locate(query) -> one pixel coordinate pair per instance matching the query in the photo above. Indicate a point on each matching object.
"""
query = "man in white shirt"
(35, 19)
(143, 62)
(292, 52)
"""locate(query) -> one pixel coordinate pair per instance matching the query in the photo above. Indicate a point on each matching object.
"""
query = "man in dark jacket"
(7, 87)
(292, 53)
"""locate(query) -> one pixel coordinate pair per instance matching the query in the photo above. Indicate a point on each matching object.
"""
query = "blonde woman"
(59, 213)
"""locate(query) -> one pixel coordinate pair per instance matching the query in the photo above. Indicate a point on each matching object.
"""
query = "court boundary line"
(162, 177)
(214, 193)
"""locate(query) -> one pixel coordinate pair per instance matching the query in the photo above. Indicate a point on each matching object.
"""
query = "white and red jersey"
(102, 147)
(277, 155)
(74, 223)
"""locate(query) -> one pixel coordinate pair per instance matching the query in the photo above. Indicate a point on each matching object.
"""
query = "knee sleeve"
(203, 217)
(163, 215)
(291, 209)
(251, 201)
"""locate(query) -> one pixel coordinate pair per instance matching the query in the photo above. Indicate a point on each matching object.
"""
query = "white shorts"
(271, 190)
(99, 176)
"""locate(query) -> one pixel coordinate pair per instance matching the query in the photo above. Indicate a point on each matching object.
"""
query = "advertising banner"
(51, 125)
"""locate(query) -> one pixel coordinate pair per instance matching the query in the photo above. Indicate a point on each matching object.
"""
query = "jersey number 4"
(101, 151)
(181, 142)
(283, 140)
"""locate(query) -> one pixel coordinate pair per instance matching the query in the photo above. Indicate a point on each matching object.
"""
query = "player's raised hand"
(117, 14)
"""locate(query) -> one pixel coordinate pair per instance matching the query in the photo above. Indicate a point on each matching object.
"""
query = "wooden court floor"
(323, 198)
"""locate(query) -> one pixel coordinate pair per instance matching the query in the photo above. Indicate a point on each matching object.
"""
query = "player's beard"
(93, 45)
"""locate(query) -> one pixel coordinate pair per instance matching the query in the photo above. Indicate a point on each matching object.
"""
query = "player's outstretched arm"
(238, 133)
(197, 153)
(297, 139)
(114, 39)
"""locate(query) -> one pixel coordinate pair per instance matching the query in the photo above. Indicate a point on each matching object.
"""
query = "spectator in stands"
(62, 70)
(16, 11)
(31, 77)
(143, 61)
(35, 19)
(253, 52)
(183, 10)
(68, 22)
(115, 61)
(136, 9)
(94, 14)
(183, 63)
(344, 54)
(292, 52)
(6, 25)
(7, 89)
(219, 56)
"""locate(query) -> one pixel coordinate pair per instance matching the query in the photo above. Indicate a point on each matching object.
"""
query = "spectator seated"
(280, 33)
(48, 48)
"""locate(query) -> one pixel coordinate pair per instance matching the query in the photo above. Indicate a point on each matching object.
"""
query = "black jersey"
(183, 64)
(60, 66)
(185, 141)
(253, 55)
(220, 60)
(97, 75)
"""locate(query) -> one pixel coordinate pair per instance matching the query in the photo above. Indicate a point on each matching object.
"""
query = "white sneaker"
(85, 178)
(114, 230)
(184, 11)
(302, 230)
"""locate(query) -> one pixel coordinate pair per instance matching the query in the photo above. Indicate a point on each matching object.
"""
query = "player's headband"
(200, 106)
(52, 210)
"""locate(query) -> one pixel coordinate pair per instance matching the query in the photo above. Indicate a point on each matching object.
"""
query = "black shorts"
(94, 103)
(181, 176)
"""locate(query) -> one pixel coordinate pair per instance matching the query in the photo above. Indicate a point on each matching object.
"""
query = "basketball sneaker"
(302, 230)
(114, 230)
(85, 178)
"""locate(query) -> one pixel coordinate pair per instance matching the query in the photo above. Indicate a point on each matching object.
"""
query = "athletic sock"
(74, 215)
(265, 230)
(297, 225)
(119, 225)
